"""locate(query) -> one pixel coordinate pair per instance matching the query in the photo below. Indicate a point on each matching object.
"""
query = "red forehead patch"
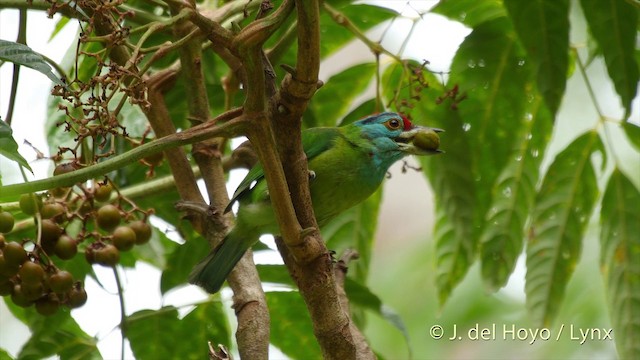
(407, 123)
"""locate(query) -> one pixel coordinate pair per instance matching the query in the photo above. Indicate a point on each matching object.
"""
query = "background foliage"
(523, 171)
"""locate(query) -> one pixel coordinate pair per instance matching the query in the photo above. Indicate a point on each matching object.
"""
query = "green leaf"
(21, 54)
(451, 177)
(620, 260)
(163, 334)
(277, 274)
(633, 133)
(181, 261)
(489, 69)
(58, 334)
(613, 24)
(333, 100)
(60, 24)
(9, 147)
(363, 110)
(563, 206)
(361, 296)
(292, 332)
(4, 355)
(470, 12)
(543, 28)
(155, 251)
(513, 198)
(355, 229)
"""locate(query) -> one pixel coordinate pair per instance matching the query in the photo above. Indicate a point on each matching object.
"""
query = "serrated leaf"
(613, 24)
(333, 100)
(489, 69)
(543, 29)
(513, 199)
(450, 176)
(620, 260)
(633, 133)
(9, 147)
(58, 334)
(292, 333)
(563, 206)
(355, 229)
(21, 54)
(470, 12)
(162, 334)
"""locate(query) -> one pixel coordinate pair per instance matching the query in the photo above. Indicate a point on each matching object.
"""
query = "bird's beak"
(420, 140)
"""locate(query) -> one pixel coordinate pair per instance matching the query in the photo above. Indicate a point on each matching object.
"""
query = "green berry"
(52, 210)
(124, 238)
(109, 255)
(427, 140)
(142, 230)
(6, 222)
(66, 247)
(30, 203)
(61, 282)
(48, 305)
(108, 217)
(77, 296)
(14, 254)
(31, 273)
(102, 193)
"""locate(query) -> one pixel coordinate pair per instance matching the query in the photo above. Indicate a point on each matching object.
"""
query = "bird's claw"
(332, 254)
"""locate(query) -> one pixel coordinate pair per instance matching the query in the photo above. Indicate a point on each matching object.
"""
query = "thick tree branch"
(309, 261)
(250, 302)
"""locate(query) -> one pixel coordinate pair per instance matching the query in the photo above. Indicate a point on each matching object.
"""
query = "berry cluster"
(92, 219)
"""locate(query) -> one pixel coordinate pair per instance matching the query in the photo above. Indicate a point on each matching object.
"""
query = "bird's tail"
(211, 272)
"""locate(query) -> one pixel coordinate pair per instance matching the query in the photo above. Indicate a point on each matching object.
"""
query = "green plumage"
(349, 163)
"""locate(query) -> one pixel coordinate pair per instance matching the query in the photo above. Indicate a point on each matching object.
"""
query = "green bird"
(346, 164)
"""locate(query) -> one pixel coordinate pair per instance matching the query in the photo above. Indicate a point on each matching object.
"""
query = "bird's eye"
(393, 124)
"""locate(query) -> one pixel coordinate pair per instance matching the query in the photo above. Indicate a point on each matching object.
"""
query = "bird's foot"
(312, 175)
(332, 254)
(306, 232)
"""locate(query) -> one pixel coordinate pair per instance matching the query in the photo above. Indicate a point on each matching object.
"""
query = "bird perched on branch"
(347, 164)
